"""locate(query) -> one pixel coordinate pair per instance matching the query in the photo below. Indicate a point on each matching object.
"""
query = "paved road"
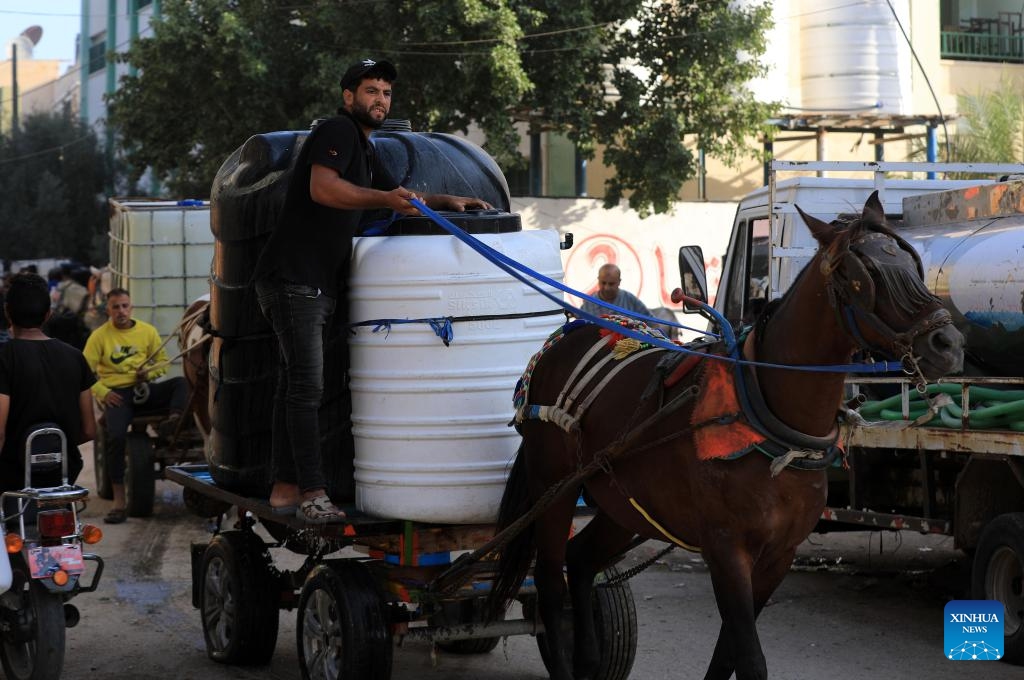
(854, 607)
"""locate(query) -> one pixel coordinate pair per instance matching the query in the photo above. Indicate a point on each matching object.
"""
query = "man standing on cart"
(126, 354)
(304, 268)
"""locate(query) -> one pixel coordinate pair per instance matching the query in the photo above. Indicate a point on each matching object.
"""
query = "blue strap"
(442, 327)
(513, 268)
(378, 227)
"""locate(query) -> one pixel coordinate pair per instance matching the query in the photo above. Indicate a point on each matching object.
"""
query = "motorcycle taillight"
(56, 523)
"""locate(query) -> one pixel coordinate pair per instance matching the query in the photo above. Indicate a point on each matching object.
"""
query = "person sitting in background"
(42, 380)
(608, 279)
(120, 352)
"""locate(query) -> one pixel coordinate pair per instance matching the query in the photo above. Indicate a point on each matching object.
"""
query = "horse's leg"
(588, 553)
(766, 577)
(738, 646)
(551, 532)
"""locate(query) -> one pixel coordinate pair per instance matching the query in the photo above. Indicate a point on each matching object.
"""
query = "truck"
(950, 462)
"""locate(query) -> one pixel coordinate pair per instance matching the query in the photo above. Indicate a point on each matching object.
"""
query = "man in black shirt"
(304, 266)
(42, 380)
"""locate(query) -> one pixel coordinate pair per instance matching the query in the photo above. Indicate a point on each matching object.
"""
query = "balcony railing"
(981, 46)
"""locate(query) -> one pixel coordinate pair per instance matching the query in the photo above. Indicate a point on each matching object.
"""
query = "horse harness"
(846, 265)
(786, 447)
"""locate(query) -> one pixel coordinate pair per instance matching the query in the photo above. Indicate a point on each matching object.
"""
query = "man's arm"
(92, 354)
(88, 420)
(327, 188)
(155, 349)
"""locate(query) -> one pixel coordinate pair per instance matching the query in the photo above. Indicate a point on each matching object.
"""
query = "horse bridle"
(851, 292)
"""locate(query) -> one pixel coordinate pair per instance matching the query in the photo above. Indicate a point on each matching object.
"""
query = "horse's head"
(875, 283)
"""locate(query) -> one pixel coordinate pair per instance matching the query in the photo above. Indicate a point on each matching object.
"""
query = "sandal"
(320, 510)
(116, 516)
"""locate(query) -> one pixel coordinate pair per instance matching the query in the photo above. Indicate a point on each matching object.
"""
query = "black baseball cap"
(383, 69)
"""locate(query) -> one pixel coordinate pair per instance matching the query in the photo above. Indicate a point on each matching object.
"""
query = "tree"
(990, 129)
(51, 186)
(637, 77)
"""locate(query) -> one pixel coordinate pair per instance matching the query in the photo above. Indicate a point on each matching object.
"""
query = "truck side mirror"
(692, 277)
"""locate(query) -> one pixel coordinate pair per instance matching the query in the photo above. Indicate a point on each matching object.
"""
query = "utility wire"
(928, 82)
(43, 152)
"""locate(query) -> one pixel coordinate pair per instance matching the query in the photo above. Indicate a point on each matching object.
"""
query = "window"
(98, 52)
(748, 273)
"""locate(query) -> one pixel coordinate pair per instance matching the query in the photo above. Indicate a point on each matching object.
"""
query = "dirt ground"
(855, 606)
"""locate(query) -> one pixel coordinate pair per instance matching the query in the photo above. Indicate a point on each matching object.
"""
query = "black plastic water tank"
(246, 200)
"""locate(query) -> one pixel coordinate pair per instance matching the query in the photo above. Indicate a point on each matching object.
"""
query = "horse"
(649, 445)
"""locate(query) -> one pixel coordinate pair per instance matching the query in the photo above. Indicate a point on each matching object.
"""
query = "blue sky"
(59, 19)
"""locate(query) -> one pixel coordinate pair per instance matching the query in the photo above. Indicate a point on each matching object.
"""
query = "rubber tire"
(998, 574)
(615, 621)
(139, 478)
(43, 657)
(342, 625)
(238, 600)
(99, 447)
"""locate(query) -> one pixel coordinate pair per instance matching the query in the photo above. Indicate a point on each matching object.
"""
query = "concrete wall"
(645, 250)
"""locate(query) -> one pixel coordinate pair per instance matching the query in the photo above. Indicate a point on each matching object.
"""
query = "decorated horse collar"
(760, 415)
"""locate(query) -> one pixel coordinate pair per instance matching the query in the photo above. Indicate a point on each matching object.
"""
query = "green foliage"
(990, 130)
(52, 178)
(635, 76)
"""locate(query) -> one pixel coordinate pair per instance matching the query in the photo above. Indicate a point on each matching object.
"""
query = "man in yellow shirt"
(119, 352)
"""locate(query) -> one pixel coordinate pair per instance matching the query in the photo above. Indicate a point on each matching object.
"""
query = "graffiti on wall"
(649, 268)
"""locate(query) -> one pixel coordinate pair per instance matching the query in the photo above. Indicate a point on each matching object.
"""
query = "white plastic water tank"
(430, 422)
(854, 58)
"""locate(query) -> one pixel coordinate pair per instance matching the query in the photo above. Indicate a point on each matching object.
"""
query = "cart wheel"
(998, 574)
(139, 479)
(615, 623)
(471, 610)
(342, 628)
(239, 599)
(99, 451)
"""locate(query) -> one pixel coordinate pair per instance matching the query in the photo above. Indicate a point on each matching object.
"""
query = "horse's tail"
(516, 556)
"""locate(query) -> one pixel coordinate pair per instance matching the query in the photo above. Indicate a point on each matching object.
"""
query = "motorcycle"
(42, 568)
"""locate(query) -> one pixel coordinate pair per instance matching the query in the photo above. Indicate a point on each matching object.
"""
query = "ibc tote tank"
(246, 199)
(160, 251)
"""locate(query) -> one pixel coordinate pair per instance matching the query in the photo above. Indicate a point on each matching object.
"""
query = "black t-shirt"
(312, 243)
(43, 379)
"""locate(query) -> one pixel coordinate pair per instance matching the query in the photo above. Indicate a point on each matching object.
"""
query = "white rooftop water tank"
(854, 58)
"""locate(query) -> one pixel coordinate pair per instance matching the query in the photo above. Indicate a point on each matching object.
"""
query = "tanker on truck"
(949, 462)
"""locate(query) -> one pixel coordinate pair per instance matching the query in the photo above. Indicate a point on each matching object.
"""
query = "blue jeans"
(298, 315)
